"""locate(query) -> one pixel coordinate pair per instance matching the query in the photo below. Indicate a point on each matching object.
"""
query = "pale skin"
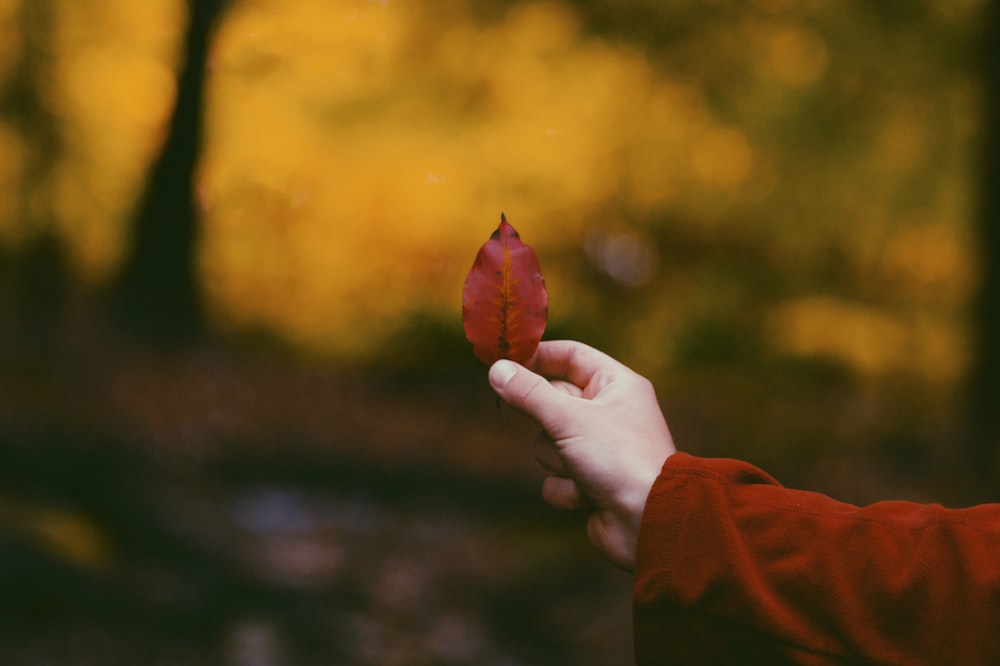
(603, 439)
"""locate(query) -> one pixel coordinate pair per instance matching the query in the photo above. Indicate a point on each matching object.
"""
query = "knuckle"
(526, 391)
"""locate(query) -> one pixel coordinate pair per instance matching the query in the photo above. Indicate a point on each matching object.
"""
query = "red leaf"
(504, 303)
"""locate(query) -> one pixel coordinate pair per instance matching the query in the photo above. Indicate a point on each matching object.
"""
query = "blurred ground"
(212, 502)
(204, 504)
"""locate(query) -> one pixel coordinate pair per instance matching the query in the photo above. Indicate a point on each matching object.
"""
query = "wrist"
(633, 504)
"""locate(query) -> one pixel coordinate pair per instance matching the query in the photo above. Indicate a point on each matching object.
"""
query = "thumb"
(528, 392)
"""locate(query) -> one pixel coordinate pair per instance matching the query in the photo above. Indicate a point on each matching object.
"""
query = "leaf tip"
(504, 229)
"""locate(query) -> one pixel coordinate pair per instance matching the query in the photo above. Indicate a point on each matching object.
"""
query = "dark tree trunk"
(985, 385)
(156, 293)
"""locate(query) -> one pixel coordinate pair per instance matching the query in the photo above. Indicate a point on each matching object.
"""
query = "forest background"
(238, 417)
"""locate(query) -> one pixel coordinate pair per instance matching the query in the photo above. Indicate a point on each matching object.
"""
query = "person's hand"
(604, 438)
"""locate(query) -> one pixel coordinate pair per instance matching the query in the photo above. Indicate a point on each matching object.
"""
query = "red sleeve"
(731, 567)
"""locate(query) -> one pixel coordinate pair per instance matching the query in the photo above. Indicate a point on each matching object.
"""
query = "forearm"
(730, 560)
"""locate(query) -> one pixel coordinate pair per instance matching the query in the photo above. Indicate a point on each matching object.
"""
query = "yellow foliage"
(867, 339)
(722, 156)
(113, 89)
(10, 39)
(795, 55)
(903, 141)
(360, 152)
(930, 257)
(11, 161)
(65, 534)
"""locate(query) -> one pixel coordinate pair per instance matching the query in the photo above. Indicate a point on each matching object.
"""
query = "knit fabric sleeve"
(732, 567)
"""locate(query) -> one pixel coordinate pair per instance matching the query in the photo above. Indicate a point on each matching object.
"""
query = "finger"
(566, 387)
(548, 456)
(530, 393)
(607, 535)
(563, 493)
(576, 362)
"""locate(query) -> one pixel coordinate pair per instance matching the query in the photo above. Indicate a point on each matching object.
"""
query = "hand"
(604, 438)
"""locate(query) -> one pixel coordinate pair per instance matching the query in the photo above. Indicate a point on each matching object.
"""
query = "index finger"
(574, 361)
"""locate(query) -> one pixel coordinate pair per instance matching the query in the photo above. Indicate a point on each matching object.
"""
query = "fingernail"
(501, 372)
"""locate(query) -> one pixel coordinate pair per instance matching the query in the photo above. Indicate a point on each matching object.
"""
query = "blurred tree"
(986, 372)
(32, 117)
(156, 292)
(38, 269)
